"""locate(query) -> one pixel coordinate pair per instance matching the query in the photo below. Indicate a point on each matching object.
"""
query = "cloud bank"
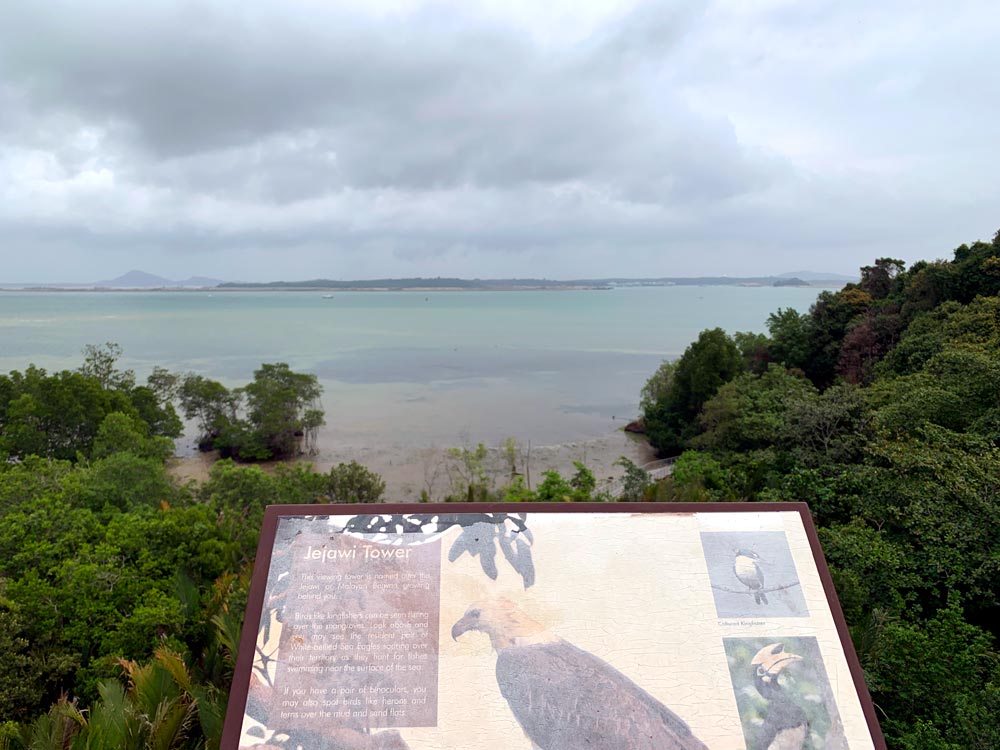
(299, 139)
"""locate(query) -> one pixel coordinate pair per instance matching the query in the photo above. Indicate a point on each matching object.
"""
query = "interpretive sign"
(556, 627)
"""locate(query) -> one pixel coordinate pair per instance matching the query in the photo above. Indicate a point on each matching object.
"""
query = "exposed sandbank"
(408, 470)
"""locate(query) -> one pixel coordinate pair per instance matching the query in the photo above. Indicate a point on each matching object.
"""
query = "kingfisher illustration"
(785, 724)
(749, 573)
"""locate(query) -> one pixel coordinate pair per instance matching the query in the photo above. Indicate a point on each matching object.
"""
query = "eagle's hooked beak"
(469, 621)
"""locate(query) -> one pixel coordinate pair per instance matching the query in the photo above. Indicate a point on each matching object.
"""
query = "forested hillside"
(122, 593)
(880, 407)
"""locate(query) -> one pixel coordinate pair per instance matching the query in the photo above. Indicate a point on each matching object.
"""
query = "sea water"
(408, 368)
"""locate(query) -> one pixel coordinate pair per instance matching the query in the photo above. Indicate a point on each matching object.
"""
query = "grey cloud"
(273, 107)
(676, 138)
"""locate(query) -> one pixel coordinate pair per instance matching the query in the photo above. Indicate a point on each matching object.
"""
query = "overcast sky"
(290, 139)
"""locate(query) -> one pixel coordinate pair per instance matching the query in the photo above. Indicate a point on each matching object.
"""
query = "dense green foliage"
(353, 483)
(275, 416)
(709, 362)
(60, 415)
(108, 568)
(880, 407)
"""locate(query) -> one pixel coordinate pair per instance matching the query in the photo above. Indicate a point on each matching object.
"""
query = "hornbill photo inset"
(785, 724)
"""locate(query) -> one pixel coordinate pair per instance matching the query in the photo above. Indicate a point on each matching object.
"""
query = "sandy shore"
(408, 471)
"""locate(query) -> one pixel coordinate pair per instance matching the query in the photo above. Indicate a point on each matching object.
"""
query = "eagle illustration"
(565, 698)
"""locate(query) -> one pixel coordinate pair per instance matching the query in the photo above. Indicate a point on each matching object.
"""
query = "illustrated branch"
(751, 592)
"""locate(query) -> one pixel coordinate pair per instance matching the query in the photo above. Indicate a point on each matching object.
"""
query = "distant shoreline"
(555, 287)
(324, 290)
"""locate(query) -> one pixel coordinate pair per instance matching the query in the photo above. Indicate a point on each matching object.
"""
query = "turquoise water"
(406, 367)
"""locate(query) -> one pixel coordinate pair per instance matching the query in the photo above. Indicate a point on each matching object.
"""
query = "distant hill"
(134, 279)
(142, 280)
(814, 276)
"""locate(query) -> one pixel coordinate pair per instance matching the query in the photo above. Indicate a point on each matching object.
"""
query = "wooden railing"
(655, 469)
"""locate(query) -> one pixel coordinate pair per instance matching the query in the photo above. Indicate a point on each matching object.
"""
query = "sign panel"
(557, 627)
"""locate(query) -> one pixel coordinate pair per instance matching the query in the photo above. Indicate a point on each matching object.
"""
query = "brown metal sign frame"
(244, 662)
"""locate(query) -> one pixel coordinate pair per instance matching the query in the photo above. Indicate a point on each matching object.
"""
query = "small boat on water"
(327, 296)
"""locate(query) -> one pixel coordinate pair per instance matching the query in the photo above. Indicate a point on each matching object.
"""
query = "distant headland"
(142, 281)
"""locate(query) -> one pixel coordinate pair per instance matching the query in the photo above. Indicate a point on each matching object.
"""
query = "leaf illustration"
(525, 565)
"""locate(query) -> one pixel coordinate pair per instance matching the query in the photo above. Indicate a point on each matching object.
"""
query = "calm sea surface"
(406, 368)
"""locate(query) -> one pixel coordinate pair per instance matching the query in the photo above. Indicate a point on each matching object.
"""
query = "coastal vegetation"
(880, 407)
(275, 416)
(122, 591)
